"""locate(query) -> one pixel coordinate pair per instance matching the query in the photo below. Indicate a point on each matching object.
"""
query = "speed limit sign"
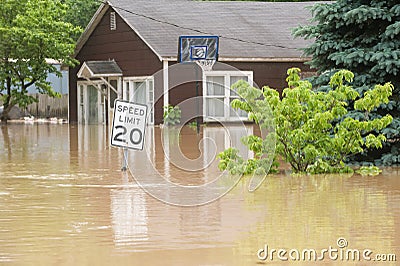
(129, 125)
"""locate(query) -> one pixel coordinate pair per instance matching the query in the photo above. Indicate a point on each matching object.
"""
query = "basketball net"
(206, 64)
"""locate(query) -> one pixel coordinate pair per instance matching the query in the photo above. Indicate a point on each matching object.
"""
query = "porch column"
(119, 88)
(165, 83)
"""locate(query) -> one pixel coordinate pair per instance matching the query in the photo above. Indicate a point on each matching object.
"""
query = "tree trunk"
(7, 106)
(6, 110)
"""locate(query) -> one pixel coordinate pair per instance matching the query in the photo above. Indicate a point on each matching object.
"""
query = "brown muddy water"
(65, 201)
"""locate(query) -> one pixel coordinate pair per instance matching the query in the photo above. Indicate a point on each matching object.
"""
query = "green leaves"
(79, 13)
(374, 98)
(311, 128)
(172, 115)
(32, 31)
(369, 170)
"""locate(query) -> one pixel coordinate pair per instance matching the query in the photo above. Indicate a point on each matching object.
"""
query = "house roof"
(249, 31)
(92, 69)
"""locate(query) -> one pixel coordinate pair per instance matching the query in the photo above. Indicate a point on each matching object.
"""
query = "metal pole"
(124, 160)
(197, 101)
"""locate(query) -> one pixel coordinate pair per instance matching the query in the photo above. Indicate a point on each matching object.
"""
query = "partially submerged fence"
(49, 107)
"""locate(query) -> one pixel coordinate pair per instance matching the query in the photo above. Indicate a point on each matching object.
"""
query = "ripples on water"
(64, 201)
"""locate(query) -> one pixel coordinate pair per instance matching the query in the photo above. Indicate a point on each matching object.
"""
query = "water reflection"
(64, 201)
(189, 175)
(129, 215)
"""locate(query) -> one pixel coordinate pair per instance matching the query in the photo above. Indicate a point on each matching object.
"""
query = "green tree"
(31, 31)
(79, 13)
(312, 133)
(364, 37)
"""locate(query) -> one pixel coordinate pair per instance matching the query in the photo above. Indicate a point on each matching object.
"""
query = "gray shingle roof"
(104, 67)
(251, 30)
(91, 69)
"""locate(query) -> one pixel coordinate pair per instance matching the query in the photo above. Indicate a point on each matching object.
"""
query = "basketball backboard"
(197, 48)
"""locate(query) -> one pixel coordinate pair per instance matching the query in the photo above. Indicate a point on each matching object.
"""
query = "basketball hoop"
(206, 64)
(200, 49)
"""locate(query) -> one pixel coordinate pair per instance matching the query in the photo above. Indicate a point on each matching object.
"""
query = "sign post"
(128, 130)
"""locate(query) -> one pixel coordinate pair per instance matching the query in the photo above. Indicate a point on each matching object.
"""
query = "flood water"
(65, 201)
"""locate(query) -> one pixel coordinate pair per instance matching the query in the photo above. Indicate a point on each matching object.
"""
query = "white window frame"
(127, 93)
(227, 96)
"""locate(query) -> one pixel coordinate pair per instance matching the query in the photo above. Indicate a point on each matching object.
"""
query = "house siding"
(272, 74)
(123, 45)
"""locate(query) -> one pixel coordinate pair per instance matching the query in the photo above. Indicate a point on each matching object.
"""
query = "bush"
(312, 131)
(172, 115)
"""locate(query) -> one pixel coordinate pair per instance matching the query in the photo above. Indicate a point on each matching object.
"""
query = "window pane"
(113, 94)
(151, 91)
(93, 105)
(81, 88)
(215, 85)
(113, 97)
(139, 95)
(234, 79)
(215, 107)
(126, 92)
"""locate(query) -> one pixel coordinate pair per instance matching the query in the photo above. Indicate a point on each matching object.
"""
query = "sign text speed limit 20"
(128, 125)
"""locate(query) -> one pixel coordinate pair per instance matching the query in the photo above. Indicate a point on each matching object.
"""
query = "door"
(90, 103)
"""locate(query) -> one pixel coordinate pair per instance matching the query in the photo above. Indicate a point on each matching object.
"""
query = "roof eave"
(106, 75)
(263, 59)
(251, 59)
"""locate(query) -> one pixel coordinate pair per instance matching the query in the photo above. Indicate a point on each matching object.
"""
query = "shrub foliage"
(313, 133)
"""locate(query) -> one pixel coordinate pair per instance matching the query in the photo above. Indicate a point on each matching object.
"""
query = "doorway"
(91, 107)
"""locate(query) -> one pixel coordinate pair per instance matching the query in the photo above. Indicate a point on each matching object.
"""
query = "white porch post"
(165, 83)
(119, 88)
(124, 91)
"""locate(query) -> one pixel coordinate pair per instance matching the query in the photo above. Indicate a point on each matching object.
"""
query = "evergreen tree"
(362, 36)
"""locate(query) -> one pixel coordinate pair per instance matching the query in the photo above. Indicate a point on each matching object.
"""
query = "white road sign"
(129, 125)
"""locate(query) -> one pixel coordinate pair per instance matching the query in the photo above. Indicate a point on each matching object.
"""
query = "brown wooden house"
(128, 41)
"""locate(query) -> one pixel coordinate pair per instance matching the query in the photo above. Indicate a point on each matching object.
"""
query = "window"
(113, 21)
(218, 95)
(140, 90)
(113, 95)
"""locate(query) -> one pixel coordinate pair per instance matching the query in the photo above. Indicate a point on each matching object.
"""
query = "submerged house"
(127, 42)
